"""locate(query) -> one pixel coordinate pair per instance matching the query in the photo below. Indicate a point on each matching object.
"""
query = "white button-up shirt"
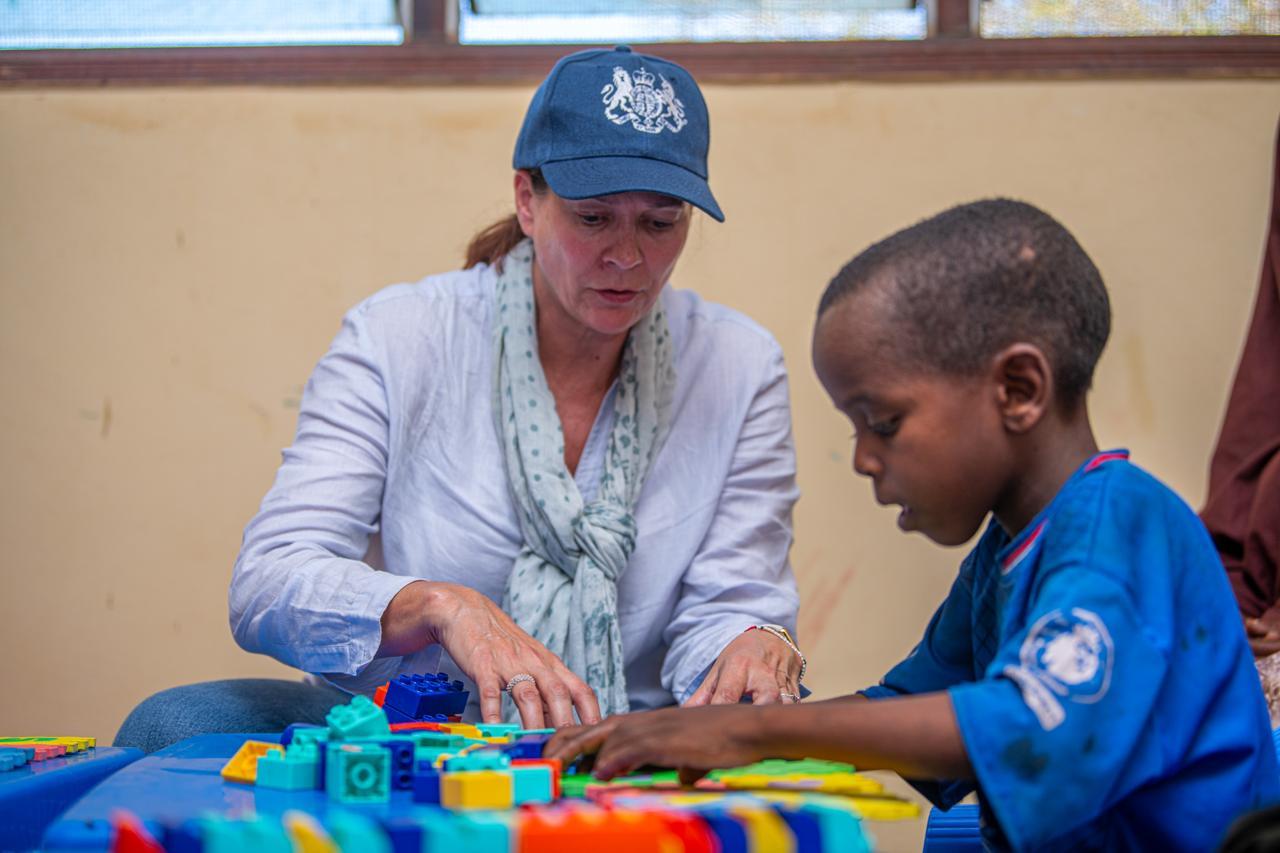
(397, 465)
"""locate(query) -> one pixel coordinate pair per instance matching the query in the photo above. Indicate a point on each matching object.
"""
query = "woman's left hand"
(694, 740)
(756, 664)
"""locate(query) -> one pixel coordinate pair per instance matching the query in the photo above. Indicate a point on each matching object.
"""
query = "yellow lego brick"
(243, 766)
(464, 729)
(767, 831)
(476, 789)
(841, 784)
(885, 808)
(307, 835)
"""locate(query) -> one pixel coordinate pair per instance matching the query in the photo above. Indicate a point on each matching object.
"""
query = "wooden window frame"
(951, 51)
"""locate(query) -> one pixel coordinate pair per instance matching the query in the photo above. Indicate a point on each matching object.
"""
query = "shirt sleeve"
(942, 658)
(1067, 698)
(741, 575)
(300, 591)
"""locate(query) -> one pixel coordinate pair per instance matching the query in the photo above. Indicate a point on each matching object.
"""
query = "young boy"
(1088, 673)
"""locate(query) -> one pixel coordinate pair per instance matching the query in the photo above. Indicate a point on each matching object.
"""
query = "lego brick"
(531, 783)
(292, 729)
(359, 718)
(527, 746)
(476, 789)
(351, 831)
(130, 836)
(380, 695)
(429, 693)
(485, 832)
(243, 766)
(358, 773)
(238, 835)
(307, 835)
(25, 753)
(426, 783)
(464, 729)
(69, 744)
(480, 759)
(498, 729)
(415, 726)
(405, 834)
(398, 718)
(295, 769)
(554, 764)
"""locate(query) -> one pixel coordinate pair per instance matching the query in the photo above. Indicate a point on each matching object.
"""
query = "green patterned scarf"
(563, 589)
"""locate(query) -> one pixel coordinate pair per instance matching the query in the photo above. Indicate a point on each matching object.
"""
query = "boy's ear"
(1024, 386)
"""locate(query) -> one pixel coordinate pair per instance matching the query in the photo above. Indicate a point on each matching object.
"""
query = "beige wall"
(173, 262)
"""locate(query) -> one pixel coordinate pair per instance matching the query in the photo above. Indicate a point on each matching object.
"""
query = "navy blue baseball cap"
(612, 121)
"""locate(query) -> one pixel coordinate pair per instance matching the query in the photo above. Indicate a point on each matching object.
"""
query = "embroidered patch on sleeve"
(1066, 655)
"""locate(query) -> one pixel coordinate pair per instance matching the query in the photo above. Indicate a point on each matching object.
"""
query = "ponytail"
(491, 245)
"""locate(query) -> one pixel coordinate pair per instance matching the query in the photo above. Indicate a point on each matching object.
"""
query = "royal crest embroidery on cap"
(633, 98)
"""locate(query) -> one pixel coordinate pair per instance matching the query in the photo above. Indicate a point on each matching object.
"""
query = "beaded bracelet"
(782, 634)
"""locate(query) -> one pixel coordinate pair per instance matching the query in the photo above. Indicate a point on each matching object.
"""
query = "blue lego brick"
(531, 783)
(10, 762)
(401, 763)
(21, 754)
(805, 828)
(731, 834)
(404, 833)
(418, 695)
(358, 773)
(185, 837)
(395, 715)
(426, 783)
(527, 746)
(67, 835)
(358, 719)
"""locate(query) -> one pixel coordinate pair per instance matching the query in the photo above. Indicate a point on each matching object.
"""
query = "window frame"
(952, 50)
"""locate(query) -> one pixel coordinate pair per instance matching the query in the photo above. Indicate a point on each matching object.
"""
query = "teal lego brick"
(227, 835)
(351, 831)
(498, 729)
(531, 784)
(358, 773)
(358, 719)
(298, 769)
(485, 832)
(438, 740)
(481, 759)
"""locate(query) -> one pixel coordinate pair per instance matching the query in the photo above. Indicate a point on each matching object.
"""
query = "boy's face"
(932, 444)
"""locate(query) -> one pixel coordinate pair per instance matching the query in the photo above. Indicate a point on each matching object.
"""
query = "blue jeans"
(234, 705)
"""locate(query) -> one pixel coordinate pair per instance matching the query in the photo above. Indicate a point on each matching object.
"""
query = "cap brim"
(597, 176)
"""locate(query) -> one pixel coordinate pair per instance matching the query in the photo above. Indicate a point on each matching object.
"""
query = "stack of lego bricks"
(18, 752)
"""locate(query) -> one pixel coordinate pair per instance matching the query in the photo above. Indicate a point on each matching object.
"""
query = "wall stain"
(821, 601)
(180, 238)
(111, 601)
(112, 119)
(106, 417)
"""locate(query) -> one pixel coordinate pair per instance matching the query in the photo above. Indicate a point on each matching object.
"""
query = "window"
(606, 21)
(1046, 18)
(62, 24)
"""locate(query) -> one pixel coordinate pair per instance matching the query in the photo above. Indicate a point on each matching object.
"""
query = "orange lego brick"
(243, 766)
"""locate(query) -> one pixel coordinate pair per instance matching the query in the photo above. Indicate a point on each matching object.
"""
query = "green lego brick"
(575, 784)
(358, 719)
(782, 767)
(358, 773)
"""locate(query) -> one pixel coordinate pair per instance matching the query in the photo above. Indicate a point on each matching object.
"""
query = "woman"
(577, 482)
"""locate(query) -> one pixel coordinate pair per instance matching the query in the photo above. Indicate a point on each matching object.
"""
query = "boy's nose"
(864, 461)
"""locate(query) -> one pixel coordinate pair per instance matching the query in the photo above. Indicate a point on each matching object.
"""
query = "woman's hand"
(694, 740)
(1264, 639)
(756, 664)
(490, 649)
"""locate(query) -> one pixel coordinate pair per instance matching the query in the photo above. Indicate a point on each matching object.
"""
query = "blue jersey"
(1100, 675)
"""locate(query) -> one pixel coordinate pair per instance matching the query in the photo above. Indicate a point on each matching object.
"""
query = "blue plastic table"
(32, 796)
(184, 781)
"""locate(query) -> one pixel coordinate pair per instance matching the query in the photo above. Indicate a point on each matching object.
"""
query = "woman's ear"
(524, 201)
(1024, 386)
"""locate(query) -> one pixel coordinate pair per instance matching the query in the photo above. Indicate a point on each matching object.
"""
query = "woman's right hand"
(490, 649)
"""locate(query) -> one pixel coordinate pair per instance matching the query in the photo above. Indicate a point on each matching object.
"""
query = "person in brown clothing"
(1243, 509)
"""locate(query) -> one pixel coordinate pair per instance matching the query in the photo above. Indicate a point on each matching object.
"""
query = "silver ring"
(792, 696)
(518, 678)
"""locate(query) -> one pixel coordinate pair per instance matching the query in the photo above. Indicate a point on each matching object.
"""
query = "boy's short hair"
(974, 279)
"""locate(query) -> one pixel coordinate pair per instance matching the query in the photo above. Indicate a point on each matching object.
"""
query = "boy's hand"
(693, 740)
(755, 664)
(1264, 639)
